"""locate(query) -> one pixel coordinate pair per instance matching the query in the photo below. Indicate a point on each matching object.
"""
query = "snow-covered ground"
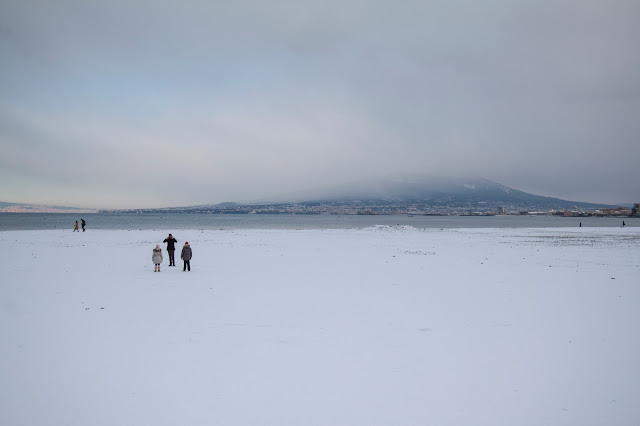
(379, 326)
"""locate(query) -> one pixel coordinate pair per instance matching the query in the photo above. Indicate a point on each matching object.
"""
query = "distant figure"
(157, 258)
(75, 228)
(623, 223)
(83, 224)
(171, 248)
(186, 256)
(580, 224)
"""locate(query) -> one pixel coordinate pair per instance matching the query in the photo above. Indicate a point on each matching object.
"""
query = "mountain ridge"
(436, 195)
(41, 208)
(402, 195)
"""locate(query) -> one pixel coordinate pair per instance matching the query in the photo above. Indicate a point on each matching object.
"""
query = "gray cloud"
(171, 103)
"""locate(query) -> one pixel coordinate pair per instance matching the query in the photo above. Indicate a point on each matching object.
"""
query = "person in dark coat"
(186, 256)
(83, 224)
(171, 248)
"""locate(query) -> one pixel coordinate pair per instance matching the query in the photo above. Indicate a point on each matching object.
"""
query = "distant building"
(620, 211)
(502, 210)
(635, 211)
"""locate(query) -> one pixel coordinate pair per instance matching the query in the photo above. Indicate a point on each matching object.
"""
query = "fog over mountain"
(429, 193)
(474, 189)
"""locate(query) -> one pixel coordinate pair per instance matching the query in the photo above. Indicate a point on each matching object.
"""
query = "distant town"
(387, 208)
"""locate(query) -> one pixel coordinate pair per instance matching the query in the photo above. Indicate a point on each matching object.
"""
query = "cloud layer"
(142, 104)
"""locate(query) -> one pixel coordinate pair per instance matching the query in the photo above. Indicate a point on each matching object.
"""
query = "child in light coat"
(157, 258)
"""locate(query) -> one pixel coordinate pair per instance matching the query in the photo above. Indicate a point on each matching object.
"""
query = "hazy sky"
(163, 103)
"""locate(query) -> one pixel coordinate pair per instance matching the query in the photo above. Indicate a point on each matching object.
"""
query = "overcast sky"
(115, 104)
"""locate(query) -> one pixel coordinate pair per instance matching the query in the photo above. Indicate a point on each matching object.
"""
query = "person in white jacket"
(157, 258)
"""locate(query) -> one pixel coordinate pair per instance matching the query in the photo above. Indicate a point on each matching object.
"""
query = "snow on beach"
(375, 326)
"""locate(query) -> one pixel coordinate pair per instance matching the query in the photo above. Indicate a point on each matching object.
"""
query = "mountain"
(38, 208)
(450, 194)
(429, 196)
(425, 195)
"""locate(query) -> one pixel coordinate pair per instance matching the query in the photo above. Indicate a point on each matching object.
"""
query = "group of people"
(76, 226)
(171, 248)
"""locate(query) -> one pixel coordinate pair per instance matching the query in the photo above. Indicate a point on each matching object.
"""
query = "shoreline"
(16, 221)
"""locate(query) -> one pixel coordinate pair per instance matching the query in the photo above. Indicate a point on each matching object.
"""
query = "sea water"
(174, 221)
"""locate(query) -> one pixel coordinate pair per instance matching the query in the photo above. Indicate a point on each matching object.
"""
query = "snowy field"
(384, 326)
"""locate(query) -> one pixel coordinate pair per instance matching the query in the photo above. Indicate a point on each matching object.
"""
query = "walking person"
(171, 248)
(156, 257)
(186, 256)
(83, 224)
(75, 228)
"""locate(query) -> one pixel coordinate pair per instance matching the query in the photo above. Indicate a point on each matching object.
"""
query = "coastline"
(17, 221)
